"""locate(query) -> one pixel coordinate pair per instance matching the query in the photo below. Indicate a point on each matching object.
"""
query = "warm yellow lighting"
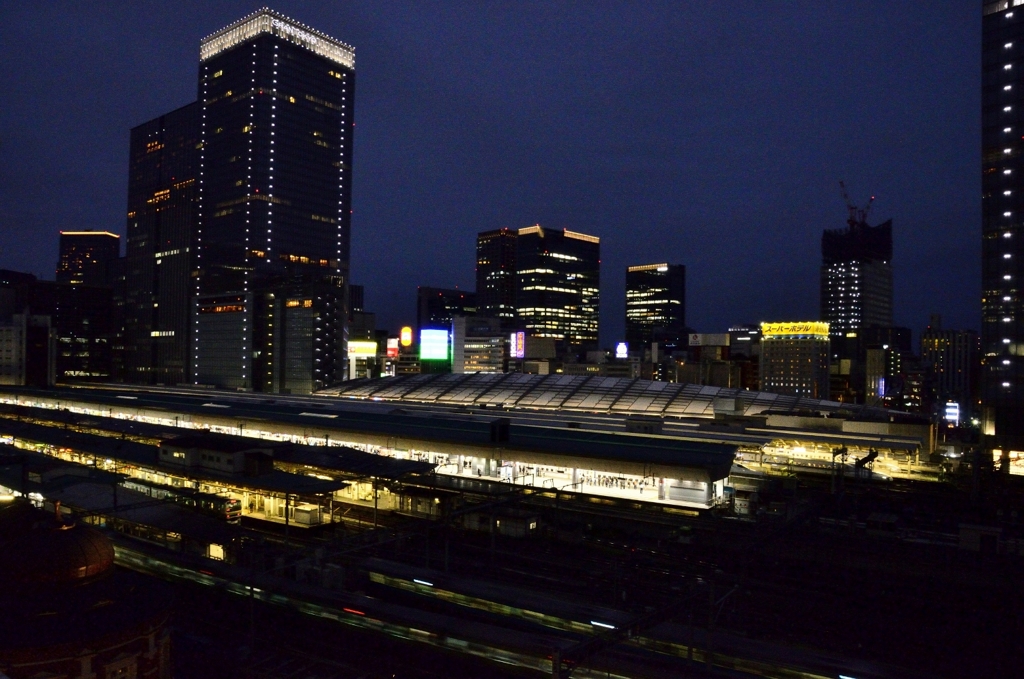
(362, 348)
(405, 336)
(817, 329)
(648, 267)
(89, 233)
(581, 236)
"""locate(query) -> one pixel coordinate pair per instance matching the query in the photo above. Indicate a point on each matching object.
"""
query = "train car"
(220, 506)
(227, 508)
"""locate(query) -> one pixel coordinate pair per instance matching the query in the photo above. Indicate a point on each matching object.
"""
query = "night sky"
(712, 134)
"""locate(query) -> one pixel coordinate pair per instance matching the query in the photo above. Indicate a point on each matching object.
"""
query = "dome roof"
(37, 548)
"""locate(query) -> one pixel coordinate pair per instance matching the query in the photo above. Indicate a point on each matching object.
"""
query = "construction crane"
(858, 216)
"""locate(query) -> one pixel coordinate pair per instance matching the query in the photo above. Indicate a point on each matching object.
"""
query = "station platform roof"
(586, 393)
(144, 455)
(478, 433)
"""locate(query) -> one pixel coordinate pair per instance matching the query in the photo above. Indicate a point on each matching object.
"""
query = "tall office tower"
(87, 256)
(856, 277)
(436, 307)
(655, 304)
(275, 172)
(496, 274)
(160, 257)
(795, 358)
(1002, 186)
(558, 286)
(951, 357)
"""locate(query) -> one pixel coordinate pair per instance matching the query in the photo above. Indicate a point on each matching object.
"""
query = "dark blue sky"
(712, 134)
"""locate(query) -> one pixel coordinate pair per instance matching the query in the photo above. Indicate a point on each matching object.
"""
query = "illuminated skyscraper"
(275, 171)
(856, 277)
(496, 274)
(559, 281)
(1002, 254)
(655, 304)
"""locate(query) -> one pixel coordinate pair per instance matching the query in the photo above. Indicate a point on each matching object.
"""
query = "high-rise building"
(1002, 219)
(81, 320)
(951, 357)
(655, 304)
(161, 251)
(795, 358)
(856, 277)
(86, 257)
(275, 173)
(496, 274)
(558, 286)
(479, 344)
(436, 307)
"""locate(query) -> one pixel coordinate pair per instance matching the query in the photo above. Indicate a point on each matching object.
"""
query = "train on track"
(219, 506)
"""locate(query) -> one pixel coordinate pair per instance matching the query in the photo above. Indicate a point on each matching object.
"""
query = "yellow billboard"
(816, 329)
(362, 348)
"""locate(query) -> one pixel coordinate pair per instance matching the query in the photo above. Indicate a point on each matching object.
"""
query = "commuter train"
(220, 506)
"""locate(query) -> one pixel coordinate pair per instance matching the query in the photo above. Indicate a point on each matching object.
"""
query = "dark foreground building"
(68, 611)
(1002, 242)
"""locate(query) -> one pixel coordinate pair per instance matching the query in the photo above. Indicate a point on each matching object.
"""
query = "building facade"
(952, 357)
(436, 307)
(856, 277)
(795, 359)
(1002, 177)
(161, 251)
(655, 304)
(276, 104)
(479, 345)
(496, 274)
(558, 286)
(86, 257)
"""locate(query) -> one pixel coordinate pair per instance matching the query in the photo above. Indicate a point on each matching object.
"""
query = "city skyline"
(434, 113)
